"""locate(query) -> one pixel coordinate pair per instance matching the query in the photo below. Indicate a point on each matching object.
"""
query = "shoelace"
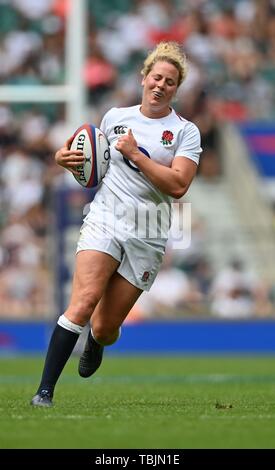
(45, 394)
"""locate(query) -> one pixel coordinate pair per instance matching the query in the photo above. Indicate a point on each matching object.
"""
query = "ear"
(143, 81)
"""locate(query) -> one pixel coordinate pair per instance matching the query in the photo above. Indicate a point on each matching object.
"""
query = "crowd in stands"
(230, 47)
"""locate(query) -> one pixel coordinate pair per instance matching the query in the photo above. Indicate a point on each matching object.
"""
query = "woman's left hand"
(127, 145)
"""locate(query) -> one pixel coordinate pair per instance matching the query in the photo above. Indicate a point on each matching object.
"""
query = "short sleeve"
(107, 121)
(189, 143)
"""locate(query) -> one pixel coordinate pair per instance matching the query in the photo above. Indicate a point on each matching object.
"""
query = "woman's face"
(159, 87)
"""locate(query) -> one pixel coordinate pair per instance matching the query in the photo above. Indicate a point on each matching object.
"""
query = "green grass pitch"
(143, 403)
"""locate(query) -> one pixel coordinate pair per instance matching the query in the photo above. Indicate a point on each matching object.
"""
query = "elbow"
(178, 193)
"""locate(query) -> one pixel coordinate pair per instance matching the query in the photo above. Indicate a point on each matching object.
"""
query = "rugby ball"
(95, 147)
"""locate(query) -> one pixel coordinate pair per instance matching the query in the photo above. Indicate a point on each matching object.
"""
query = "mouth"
(157, 94)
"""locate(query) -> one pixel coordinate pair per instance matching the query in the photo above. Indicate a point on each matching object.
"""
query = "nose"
(161, 83)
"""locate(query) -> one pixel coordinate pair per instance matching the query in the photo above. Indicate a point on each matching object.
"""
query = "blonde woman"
(154, 158)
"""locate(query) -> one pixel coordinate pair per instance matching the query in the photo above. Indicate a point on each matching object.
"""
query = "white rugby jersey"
(160, 139)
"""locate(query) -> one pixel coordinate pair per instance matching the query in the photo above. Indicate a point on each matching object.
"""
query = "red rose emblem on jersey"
(145, 276)
(167, 138)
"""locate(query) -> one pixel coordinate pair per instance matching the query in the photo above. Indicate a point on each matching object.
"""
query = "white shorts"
(140, 259)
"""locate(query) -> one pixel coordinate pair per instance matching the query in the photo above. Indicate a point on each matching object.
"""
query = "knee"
(81, 309)
(105, 335)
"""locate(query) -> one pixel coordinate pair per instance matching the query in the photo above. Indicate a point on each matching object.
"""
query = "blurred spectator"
(237, 293)
(32, 9)
(191, 234)
(99, 75)
(22, 271)
(172, 294)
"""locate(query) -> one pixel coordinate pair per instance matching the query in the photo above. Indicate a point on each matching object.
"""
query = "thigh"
(93, 271)
(115, 304)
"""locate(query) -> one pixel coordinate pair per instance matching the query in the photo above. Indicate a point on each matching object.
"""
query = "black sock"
(60, 348)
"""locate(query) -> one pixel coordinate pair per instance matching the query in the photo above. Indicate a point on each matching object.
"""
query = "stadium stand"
(231, 53)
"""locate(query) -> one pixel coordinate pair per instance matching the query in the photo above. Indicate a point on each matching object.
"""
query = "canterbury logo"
(120, 129)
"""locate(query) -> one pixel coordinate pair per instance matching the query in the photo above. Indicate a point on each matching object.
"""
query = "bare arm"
(69, 159)
(173, 181)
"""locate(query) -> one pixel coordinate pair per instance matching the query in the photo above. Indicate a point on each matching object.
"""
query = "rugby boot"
(43, 398)
(91, 357)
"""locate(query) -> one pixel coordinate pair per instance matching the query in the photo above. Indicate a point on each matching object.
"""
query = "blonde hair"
(166, 52)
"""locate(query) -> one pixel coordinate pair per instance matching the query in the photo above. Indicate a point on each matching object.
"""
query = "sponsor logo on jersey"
(120, 129)
(167, 138)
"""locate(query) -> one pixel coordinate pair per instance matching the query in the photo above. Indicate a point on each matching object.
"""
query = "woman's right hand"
(69, 159)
